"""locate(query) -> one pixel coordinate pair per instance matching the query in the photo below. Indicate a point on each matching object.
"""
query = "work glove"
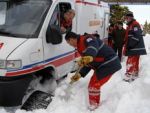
(75, 78)
(85, 60)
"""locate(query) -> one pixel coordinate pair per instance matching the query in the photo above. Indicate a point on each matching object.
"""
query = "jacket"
(118, 36)
(105, 61)
(134, 43)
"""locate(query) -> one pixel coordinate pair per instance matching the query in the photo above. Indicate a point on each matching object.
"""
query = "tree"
(146, 28)
(149, 28)
(117, 13)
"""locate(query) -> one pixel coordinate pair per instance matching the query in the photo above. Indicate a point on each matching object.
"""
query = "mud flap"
(37, 100)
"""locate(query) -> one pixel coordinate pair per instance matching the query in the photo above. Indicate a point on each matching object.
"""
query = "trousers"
(132, 65)
(94, 89)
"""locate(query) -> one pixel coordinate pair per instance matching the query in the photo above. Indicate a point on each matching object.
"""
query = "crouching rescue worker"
(97, 56)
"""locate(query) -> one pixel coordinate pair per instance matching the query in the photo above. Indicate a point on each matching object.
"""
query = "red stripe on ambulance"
(56, 63)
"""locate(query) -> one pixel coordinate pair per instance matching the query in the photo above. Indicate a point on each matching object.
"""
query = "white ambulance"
(31, 42)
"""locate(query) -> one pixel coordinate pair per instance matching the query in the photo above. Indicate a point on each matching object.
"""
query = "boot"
(128, 78)
(92, 107)
(93, 102)
(135, 76)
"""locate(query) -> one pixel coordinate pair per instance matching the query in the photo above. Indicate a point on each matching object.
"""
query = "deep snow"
(117, 96)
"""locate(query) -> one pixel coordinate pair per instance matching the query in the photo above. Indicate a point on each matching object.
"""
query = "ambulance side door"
(56, 50)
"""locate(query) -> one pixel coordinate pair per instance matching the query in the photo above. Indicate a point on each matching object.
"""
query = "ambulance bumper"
(12, 90)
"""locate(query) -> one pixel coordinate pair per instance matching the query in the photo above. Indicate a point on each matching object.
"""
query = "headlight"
(2, 64)
(10, 64)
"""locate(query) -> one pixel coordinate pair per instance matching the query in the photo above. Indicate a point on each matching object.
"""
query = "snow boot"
(93, 107)
(135, 76)
(127, 78)
(93, 102)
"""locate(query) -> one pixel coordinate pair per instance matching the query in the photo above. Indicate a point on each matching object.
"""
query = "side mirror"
(53, 35)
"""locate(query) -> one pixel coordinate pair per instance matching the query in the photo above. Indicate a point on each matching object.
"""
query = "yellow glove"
(75, 78)
(85, 60)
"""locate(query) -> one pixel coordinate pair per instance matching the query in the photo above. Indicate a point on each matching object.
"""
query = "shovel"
(69, 87)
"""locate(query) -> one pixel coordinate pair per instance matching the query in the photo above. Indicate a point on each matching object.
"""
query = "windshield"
(22, 18)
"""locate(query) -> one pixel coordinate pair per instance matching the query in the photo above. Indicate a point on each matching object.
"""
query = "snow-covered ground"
(117, 96)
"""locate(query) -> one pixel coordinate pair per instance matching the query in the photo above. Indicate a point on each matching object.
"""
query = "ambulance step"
(37, 100)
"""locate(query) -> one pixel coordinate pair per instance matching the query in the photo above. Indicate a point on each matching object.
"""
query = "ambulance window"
(58, 13)
(3, 8)
(23, 18)
(53, 34)
(65, 24)
(55, 17)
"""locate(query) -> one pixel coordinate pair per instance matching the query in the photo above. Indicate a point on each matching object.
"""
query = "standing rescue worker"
(97, 56)
(134, 47)
(118, 36)
(110, 37)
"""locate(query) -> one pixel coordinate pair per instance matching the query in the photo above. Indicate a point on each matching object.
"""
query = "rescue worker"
(118, 36)
(97, 56)
(133, 48)
(110, 31)
(66, 21)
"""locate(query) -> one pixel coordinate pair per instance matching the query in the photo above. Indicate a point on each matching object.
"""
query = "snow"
(117, 96)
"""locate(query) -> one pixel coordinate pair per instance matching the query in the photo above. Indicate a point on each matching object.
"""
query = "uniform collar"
(131, 22)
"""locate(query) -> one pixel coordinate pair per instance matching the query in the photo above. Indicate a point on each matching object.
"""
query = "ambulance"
(31, 42)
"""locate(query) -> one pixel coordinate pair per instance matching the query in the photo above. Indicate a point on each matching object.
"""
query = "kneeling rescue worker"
(97, 56)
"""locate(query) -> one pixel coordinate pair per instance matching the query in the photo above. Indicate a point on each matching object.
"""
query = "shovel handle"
(78, 70)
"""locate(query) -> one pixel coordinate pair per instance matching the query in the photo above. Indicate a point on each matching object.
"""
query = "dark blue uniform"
(134, 47)
(105, 62)
(134, 39)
